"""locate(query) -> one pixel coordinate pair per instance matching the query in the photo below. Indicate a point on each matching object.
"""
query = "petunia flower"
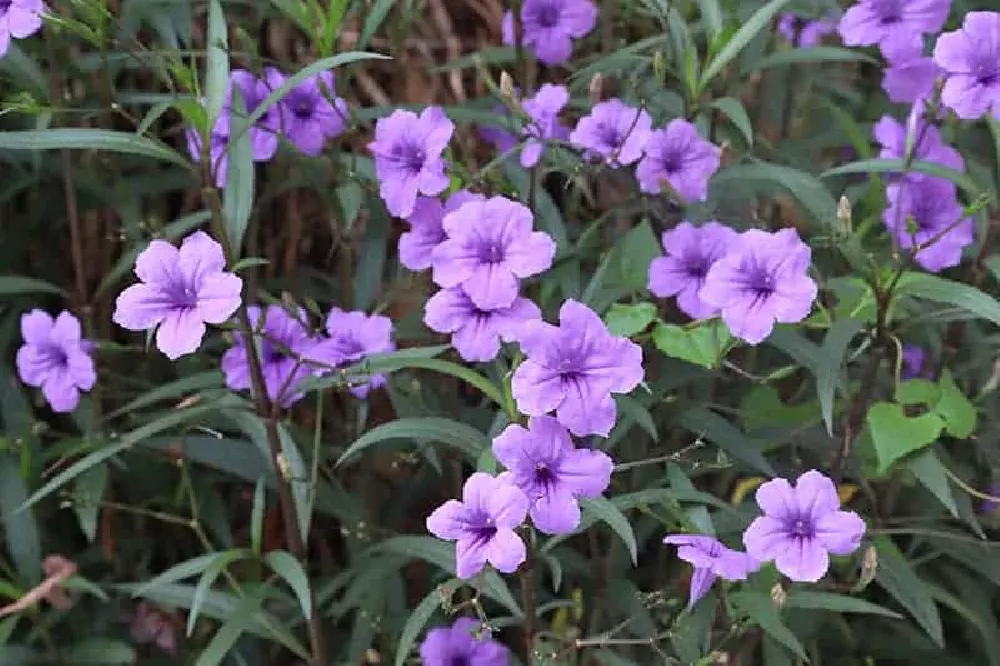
(408, 161)
(970, 58)
(218, 145)
(552, 472)
(490, 245)
(253, 91)
(19, 19)
(613, 130)
(761, 280)
(483, 525)
(573, 369)
(910, 80)
(354, 336)
(925, 210)
(690, 252)
(550, 26)
(56, 358)
(801, 525)
(286, 350)
(804, 33)
(896, 26)
(711, 560)
(426, 231)
(309, 117)
(476, 333)
(928, 146)
(180, 290)
(543, 108)
(462, 644)
(681, 157)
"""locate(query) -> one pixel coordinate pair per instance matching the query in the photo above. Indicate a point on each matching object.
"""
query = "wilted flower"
(490, 245)
(711, 560)
(970, 58)
(613, 130)
(460, 645)
(573, 369)
(927, 143)
(19, 19)
(253, 91)
(910, 80)
(681, 157)
(897, 26)
(925, 210)
(218, 143)
(543, 109)
(801, 32)
(483, 525)
(550, 26)
(690, 252)
(476, 333)
(56, 358)
(354, 336)
(551, 471)
(801, 525)
(150, 625)
(761, 280)
(309, 117)
(426, 231)
(408, 161)
(180, 291)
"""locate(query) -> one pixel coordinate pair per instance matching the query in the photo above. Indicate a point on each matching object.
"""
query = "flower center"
(613, 137)
(544, 475)
(671, 161)
(491, 252)
(5, 6)
(889, 11)
(460, 660)
(760, 282)
(801, 528)
(548, 15)
(270, 353)
(987, 72)
(302, 109)
(184, 295)
(697, 266)
(410, 157)
(54, 355)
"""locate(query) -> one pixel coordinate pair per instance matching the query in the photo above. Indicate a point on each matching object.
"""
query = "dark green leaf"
(897, 577)
(237, 198)
(807, 56)
(838, 603)
(615, 519)
(750, 28)
(931, 474)
(831, 361)
(217, 62)
(291, 571)
(460, 436)
(415, 624)
(810, 193)
(90, 139)
(705, 423)
(737, 114)
(20, 527)
(13, 285)
(759, 608)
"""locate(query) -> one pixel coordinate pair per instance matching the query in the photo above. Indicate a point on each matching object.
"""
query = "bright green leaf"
(702, 344)
(629, 319)
(896, 435)
(747, 31)
(958, 413)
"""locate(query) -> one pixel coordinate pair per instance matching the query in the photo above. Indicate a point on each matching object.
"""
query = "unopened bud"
(507, 85)
(778, 596)
(869, 565)
(659, 66)
(596, 89)
(844, 211)
(289, 304)
(284, 468)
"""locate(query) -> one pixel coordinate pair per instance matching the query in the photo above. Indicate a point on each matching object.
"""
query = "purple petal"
(701, 582)
(36, 327)
(180, 333)
(556, 512)
(506, 551)
(586, 412)
(765, 538)
(815, 495)
(840, 532)
(60, 392)
(803, 560)
(140, 307)
(777, 499)
(447, 521)
(158, 264)
(507, 506)
(470, 556)
(585, 472)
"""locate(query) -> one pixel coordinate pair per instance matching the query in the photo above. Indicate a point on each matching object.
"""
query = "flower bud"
(778, 596)
(596, 89)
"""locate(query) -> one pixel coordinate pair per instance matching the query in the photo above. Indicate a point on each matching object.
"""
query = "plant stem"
(528, 600)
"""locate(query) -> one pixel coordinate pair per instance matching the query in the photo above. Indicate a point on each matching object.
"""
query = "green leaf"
(391, 362)
(737, 113)
(918, 392)
(884, 165)
(759, 608)
(628, 319)
(257, 516)
(897, 577)
(940, 290)
(896, 435)
(217, 62)
(173, 390)
(99, 652)
(87, 496)
(14, 285)
(237, 198)
(756, 23)
(20, 527)
(615, 519)
(810, 193)
(930, 472)
(829, 370)
(204, 586)
(711, 16)
(702, 344)
(90, 139)
(415, 624)
(706, 423)
(808, 56)
(186, 569)
(291, 571)
(838, 603)
(954, 408)
(374, 16)
(460, 436)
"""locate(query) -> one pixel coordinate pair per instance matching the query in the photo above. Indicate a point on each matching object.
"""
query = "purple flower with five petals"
(679, 156)
(56, 358)
(613, 130)
(465, 643)
(490, 245)
(550, 26)
(253, 91)
(476, 333)
(805, 33)
(801, 525)
(711, 560)
(483, 525)
(970, 58)
(924, 212)
(426, 231)
(354, 336)
(552, 472)
(897, 26)
(19, 19)
(690, 252)
(543, 109)
(761, 280)
(573, 369)
(311, 113)
(180, 291)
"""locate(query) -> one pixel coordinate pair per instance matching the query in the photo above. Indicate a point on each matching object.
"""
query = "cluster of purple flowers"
(306, 116)
(543, 110)
(550, 26)
(753, 280)
(19, 19)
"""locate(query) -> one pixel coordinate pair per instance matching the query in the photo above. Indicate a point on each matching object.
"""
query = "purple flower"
(552, 472)
(500, 135)
(543, 109)
(613, 130)
(970, 58)
(180, 291)
(800, 32)
(801, 525)
(218, 143)
(426, 231)
(550, 26)
(490, 245)
(19, 19)
(253, 91)
(309, 117)
(573, 369)
(408, 161)
(711, 560)
(928, 145)
(354, 336)
(913, 362)
(760, 281)
(691, 251)
(476, 333)
(910, 80)
(483, 525)
(55, 357)
(922, 210)
(988, 505)
(287, 353)
(681, 157)
(462, 644)
(897, 26)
